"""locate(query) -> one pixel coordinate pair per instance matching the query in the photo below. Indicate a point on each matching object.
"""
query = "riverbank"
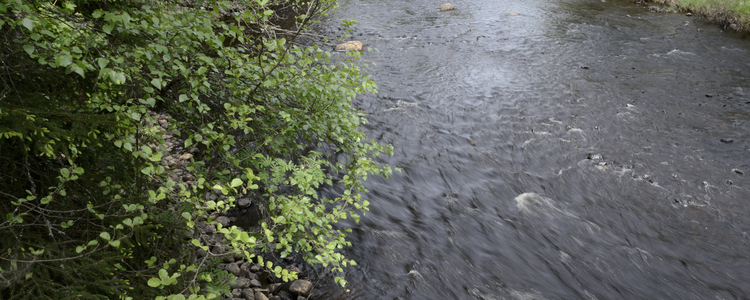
(734, 14)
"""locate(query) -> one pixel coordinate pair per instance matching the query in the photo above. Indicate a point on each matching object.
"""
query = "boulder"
(349, 46)
(446, 6)
(300, 287)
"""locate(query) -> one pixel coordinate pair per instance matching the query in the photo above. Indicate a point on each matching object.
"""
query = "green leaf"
(29, 49)
(80, 249)
(115, 243)
(63, 60)
(102, 62)
(236, 182)
(163, 274)
(154, 282)
(156, 82)
(105, 235)
(107, 28)
(28, 23)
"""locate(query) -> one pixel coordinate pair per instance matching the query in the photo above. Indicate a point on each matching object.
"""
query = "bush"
(93, 210)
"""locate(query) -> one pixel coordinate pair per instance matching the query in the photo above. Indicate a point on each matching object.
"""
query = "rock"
(240, 283)
(260, 296)
(446, 6)
(233, 268)
(224, 221)
(689, 14)
(248, 294)
(284, 295)
(300, 287)
(511, 15)
(200, 252)
(738, 171)
(301, 298)
(236, 293)
(254, 268)
(242, 202)
(186, 156)
(349, 46)
(274, 288)
(255, 283)
(726, 140)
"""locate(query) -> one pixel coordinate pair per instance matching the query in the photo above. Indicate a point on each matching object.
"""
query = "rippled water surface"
(580, 150)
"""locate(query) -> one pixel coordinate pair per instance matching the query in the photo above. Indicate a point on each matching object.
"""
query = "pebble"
(446, 6)
(726, 140)
(349, 46)
(511, 15)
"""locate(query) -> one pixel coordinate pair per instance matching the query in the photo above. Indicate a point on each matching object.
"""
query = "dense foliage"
(92, 209)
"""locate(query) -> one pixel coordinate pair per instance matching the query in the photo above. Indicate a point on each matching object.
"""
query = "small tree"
(91, 211)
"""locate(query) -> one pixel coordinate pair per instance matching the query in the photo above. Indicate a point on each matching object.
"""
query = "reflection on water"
(580, 150)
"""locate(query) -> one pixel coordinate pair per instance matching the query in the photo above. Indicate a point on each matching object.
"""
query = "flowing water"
(580, 150)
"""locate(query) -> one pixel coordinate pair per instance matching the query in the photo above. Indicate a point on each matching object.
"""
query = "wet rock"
(511, 15)
(689, 14)
(726, 140)
(301, 287)
(260, 296)
(738, 171)
(255, 268)
(446, 6)
(240, 283)
(255, 283)
(284, 295)
(349, 46)
(301, 298)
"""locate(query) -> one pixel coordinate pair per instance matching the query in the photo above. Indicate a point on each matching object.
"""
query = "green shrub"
(90, 209)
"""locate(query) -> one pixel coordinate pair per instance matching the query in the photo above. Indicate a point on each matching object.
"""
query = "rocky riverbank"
(251, 281)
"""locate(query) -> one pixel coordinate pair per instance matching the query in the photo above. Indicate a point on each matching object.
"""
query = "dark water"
(611, 155)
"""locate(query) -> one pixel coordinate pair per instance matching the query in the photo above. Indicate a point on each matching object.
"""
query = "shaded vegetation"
(90, 207)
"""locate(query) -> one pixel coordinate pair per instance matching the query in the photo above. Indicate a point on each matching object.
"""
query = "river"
(581, 149)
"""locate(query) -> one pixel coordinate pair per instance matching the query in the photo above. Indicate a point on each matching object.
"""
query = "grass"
(734, 14)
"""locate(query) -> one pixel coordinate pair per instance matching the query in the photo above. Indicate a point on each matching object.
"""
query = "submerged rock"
(350, 45)
(511, 15)
(446, 6)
